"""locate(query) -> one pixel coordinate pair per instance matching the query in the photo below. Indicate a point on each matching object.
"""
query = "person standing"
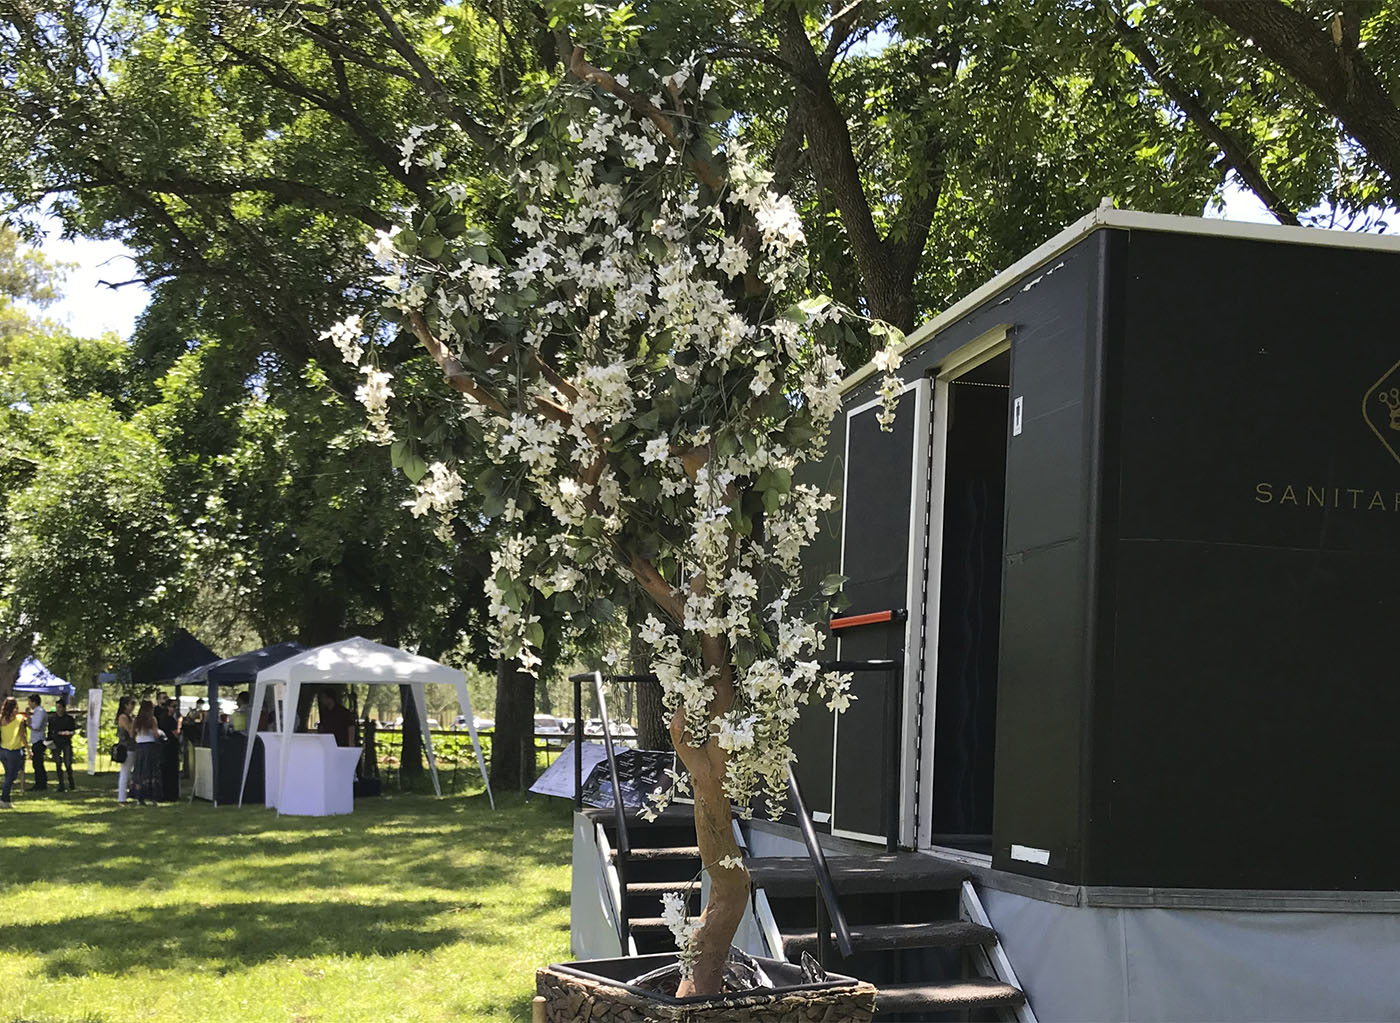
(146, 760)
(38, 733)
(13, 738)
(62, 728)
(169, 726)
(126, 729)
(240, 713)
(335, 720)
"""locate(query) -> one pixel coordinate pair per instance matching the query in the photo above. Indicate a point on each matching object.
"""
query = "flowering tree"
(642, 364)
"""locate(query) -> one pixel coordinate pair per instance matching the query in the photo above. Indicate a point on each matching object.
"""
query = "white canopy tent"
(359, 661)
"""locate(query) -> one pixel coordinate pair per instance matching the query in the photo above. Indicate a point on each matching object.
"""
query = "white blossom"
(348, 338)
(374, 394)
(657, 422)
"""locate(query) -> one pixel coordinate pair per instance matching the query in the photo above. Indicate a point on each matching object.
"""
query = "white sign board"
(94, 720)
(558, 777)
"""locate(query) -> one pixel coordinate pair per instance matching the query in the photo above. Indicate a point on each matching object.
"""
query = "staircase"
(917, 928)
(664, 858)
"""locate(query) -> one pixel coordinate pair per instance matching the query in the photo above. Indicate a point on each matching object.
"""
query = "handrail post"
(577, 680)
(824, 883)
(624, 844)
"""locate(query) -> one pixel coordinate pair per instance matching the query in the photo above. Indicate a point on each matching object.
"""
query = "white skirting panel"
(1136, 965)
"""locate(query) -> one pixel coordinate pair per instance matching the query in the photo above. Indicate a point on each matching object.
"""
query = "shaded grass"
(411, 909)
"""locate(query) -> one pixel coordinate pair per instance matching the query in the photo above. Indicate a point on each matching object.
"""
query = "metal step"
(975, 992)
(882, 937)
(648, 925)
(664, 852)
(783, 876)
(660, 888)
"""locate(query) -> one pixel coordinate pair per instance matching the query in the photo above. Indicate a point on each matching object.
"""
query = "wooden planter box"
(595, 991)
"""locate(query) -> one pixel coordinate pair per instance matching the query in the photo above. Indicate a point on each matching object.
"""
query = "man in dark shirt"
(335, 719)
(169, 723)
(62, 728)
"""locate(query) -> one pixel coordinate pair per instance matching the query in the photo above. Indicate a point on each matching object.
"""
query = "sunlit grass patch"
(412, 909)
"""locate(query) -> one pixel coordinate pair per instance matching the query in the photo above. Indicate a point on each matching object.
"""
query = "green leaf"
(413, 466)
(832, 584)
(534, 634)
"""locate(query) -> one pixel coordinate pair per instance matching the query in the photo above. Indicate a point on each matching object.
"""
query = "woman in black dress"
(146, 760)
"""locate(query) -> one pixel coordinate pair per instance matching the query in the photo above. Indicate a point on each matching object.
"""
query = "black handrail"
(826, 888)
(624, 844)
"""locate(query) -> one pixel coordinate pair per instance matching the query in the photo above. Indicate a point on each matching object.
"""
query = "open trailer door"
(883, 554)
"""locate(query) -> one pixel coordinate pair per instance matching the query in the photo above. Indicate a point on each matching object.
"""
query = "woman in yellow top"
(13, 738)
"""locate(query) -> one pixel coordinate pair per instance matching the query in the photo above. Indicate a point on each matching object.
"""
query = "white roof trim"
(1106, 216)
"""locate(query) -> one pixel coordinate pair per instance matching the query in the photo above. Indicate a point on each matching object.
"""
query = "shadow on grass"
(452, 842)
(229, 937)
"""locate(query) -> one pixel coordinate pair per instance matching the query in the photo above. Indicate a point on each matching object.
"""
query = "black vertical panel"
(1247, 710)
(879, 480)
(1041, 673)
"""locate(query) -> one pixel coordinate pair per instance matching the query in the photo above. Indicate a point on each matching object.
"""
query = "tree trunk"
(652, 729)
(12, 655)
(513, 744)
(411, 750)
(729, 886)
(543, 703)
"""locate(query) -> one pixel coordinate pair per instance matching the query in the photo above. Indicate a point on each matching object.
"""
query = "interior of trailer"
(973, 425)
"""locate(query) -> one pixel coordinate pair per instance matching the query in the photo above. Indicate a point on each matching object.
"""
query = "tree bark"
(12, 655)
(652, 730)
(714, 832)
(411, 747)
(888, 265)
(1327, 60)
(513, 742)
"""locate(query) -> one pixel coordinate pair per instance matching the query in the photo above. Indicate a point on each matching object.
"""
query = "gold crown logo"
(1391, 400)
(1384, 394)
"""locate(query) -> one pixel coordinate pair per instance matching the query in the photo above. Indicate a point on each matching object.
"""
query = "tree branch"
(283, 188)
(1329, 63)
(1231, 148)
(430, 82)
(581, 69)
(456, 374)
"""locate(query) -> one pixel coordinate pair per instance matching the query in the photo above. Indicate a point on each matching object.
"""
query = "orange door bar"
(854, 620)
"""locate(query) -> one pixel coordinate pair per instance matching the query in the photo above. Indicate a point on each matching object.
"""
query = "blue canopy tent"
(178, 654)
(35, 678)
(239, 670)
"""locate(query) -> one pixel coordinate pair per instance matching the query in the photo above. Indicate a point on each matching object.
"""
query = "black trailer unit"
(1142, 504)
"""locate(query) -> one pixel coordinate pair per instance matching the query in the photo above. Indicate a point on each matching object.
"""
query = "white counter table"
(314, 778)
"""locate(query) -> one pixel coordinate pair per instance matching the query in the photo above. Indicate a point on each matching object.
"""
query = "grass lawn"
(412, 909)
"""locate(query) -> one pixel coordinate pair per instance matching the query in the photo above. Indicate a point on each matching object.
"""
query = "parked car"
(594, 727)
(550, 725)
